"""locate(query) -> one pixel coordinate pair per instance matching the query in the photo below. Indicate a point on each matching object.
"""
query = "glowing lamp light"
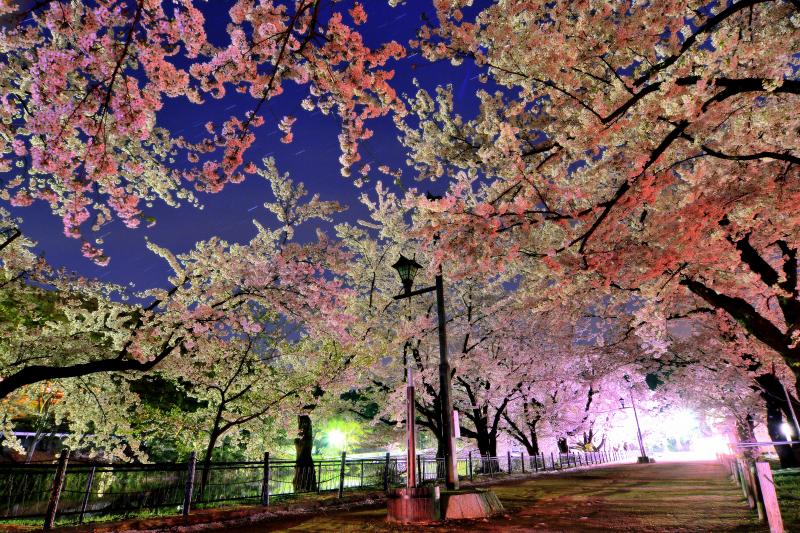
(786, 429)
(407, 269)
(336, 438)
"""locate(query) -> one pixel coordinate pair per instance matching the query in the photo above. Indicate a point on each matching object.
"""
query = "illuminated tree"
(83, 83)
(652, 145)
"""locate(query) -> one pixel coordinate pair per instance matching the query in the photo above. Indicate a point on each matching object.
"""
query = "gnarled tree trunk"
(777, 406)
(305, 478)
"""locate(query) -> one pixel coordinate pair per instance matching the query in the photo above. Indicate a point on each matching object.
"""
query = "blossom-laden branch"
(85, 83)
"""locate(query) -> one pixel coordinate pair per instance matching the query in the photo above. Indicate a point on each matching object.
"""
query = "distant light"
(786, 429)
(684, 421)
(706, 448)
(337, 439)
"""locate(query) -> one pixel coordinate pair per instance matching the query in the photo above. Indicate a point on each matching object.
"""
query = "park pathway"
(663, 497)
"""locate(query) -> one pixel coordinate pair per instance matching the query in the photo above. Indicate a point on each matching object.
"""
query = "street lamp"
(407, 269)
(643, 457)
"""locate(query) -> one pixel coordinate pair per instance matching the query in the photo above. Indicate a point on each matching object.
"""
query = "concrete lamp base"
(430, 504)
(470, 503)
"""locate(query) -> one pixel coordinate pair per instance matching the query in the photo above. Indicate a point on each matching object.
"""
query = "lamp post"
(643, 457)
(407, 269)
(411, 436)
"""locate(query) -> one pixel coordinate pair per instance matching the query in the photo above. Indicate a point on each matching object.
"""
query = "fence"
(76, 492)
(755, 479)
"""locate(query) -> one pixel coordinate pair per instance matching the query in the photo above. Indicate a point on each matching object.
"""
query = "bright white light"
(336, 438)
(685, 421)
(709, 447)
(786, 429)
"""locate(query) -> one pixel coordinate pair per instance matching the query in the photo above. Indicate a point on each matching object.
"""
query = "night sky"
(311, 158)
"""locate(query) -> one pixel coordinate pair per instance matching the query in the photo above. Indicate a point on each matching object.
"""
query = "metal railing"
(88, 491)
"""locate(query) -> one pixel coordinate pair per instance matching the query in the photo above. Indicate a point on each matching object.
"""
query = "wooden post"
(85, 502)
(509, 461)
(361, 482)
(759, 499)
(265, 481)
(341, 475)
(470, 466)
(55, 491)
(553, 461)
(522, 460)
(386, 473)
(319, 476)
(187, 494)
(769, 497)
(421, 468)
(746, 483)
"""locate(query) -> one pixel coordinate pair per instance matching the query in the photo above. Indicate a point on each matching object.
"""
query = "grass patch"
(787, 483)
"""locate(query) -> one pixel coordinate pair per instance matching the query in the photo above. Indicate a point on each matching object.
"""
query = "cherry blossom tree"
(83, 83)
(723, 368)
(654, 146)
(217, 289)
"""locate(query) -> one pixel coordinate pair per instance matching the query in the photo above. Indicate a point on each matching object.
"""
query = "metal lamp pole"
(411, 458)
(407, 268)
(643, 457)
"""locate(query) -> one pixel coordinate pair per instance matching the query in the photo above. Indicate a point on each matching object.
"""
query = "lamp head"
(406, 269)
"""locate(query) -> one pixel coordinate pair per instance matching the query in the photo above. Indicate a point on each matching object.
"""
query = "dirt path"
(675, 497)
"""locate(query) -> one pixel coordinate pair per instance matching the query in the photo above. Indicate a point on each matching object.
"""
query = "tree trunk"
(212, 443)
(562, 445)
(32, 449)
(532, 444)
(305, 479)
(487, 446)
(745, 429)
(529, 440)
(441, 471)
(775, 399)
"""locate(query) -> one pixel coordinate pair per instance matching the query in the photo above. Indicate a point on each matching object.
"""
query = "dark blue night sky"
(312, 158)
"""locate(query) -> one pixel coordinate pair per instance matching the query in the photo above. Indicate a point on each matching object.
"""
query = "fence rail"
(754, 476)
(88, 491)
